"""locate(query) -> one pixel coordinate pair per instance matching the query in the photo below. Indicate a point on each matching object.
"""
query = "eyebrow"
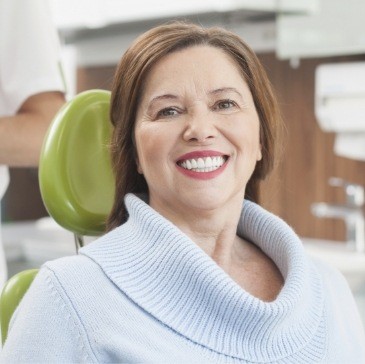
(225, 89)
(161, 97)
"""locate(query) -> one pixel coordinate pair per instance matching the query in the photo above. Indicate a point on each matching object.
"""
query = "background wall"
(301, 178)
(308, 160)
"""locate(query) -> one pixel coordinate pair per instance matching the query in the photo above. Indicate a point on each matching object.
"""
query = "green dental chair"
(76, 181)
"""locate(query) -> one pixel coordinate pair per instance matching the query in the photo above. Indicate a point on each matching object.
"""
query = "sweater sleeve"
(46, 328)
(346, 336)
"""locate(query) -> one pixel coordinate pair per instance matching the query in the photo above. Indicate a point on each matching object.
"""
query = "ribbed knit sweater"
(145, 293)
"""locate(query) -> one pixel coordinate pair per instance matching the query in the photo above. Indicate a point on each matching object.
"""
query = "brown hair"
(129, 78)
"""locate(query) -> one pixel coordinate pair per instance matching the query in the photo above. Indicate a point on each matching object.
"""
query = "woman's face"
(196, 131)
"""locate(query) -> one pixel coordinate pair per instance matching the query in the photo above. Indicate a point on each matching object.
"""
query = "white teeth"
(206, 164)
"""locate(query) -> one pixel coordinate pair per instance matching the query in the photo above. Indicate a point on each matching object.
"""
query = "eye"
(224, 104)
(167, 112)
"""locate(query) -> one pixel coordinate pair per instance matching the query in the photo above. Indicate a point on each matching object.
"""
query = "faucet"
(352, 212)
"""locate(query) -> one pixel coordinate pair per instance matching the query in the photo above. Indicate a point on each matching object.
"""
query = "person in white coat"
(31, 87)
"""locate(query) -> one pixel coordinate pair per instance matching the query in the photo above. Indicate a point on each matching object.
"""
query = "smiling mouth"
(204, 164)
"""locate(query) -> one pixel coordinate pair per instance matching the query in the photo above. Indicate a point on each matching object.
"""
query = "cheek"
(148, 147)
(257, 151)
(247, 139)
(254, 136)
(253, 151)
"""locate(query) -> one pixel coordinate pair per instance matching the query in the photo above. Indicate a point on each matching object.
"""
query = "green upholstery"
(76, 180)
(11, 295)
(75, 175)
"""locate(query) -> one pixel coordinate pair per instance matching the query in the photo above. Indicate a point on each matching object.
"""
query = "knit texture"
(146, 293)
(176, 282)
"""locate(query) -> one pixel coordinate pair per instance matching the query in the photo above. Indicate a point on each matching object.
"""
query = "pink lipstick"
(202, 164)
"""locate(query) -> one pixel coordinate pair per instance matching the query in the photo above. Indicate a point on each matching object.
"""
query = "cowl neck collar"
(170, 277)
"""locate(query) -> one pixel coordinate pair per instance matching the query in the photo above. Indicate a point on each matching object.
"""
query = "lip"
(201, 154)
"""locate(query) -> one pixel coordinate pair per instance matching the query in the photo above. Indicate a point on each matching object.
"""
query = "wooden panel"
(308, 159)
(22, 200)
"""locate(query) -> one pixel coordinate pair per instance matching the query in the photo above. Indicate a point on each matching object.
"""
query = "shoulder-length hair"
(129, 78)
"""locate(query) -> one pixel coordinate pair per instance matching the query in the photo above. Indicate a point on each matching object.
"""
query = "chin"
(208, 203)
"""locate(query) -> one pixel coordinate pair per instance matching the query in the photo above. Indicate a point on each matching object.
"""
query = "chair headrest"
(75, 174)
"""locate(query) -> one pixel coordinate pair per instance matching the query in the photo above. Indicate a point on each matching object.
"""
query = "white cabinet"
(336, 27)
(91, 14)
(100, 30)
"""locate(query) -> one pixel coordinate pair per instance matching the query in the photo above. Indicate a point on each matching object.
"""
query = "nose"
(199, 128)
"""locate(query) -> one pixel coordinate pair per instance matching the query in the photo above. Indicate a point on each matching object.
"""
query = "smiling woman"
(254, 95)
(190, 270)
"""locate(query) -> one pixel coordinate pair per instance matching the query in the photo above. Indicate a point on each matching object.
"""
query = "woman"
(189, 271)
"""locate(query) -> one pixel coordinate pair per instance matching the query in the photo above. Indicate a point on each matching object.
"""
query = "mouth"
(203, 164)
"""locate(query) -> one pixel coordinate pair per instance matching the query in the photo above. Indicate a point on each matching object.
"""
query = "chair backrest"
(75, 175)
(76, 179)
(11, 296)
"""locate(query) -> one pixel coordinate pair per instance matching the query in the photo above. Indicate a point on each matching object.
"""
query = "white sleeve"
(45, 328)
(29, 52)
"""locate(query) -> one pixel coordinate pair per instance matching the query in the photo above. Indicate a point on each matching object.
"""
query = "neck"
(214, 231)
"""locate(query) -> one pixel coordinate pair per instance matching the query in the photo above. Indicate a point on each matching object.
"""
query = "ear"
(135, 155)
(139, 168)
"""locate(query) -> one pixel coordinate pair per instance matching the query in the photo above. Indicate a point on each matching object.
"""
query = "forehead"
(202, 66)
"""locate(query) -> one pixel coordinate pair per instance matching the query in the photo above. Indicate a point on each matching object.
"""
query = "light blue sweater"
(145, 293)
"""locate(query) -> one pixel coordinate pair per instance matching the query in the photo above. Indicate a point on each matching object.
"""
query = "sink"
(336, 253)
